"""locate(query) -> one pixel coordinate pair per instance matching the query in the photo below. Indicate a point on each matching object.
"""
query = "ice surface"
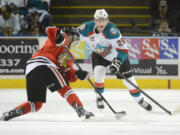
(57, 118)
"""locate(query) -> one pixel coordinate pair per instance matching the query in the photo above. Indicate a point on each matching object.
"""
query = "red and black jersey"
(48, 55)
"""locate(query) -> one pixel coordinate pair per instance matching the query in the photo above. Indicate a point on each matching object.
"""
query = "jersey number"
(121, 42)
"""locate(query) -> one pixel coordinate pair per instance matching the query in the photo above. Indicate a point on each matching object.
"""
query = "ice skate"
(145, 105)
(100, 103)
(11, 114)
(81, 112)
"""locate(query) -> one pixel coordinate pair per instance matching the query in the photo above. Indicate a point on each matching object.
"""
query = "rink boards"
(155, 61)
(109, 83)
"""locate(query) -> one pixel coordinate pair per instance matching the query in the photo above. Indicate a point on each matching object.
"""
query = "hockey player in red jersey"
(51, 67)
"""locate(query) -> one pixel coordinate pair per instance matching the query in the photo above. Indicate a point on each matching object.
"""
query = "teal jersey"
(111, 36)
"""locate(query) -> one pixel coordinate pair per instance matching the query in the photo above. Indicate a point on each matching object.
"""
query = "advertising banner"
(149, 56)
(14, 53)
(153, 56)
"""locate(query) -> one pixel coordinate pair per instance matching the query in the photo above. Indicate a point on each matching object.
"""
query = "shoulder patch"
(113, 31)
(82, 27)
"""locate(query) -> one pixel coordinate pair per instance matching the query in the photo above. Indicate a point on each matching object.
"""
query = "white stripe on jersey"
(38, 61)
(69, 92)
(33, 108)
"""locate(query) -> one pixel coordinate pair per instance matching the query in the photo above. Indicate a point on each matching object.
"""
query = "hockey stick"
(118, 114)
(176, 111)
(137, 29)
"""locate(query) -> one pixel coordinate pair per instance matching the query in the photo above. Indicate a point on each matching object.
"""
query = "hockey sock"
(99, 76)
(70, 96)
(30, 106)
(99, 87)
(136, 94)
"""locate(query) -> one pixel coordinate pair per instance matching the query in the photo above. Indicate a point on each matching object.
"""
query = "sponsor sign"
(149, 67)
(150, 48)
(14, 54)
(134, 46)
(79, 51)
(144, 53)
(168, 48)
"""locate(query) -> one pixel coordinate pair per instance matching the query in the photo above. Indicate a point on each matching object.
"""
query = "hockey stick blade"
(176, 111)
(119, 115)
(163, 108)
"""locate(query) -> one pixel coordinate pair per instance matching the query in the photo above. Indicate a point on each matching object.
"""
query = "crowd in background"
(31, 17)
(165, 17)
(24, 17)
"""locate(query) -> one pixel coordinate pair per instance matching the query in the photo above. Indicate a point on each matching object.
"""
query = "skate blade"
(1, 119)
(84, 118)
(100, 110)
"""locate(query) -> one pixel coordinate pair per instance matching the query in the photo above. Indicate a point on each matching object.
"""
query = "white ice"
(56, 117)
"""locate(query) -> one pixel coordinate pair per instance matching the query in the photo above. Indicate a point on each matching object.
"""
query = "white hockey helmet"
(101, 13)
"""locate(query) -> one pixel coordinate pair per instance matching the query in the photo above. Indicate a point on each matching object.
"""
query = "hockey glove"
(72, 31)
(115, 65)
(73, 35)
(60, 37)
(82, 75)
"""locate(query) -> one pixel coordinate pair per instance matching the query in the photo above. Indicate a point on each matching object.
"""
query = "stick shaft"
(163, 108)
(102, 97)
(67, 50)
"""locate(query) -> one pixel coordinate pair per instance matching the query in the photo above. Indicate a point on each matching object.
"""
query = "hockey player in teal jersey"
(109, 50)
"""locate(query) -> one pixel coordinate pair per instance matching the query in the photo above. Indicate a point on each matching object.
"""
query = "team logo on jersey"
(92, 38)
(82, 27)
(113, 31)
(63, 59)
